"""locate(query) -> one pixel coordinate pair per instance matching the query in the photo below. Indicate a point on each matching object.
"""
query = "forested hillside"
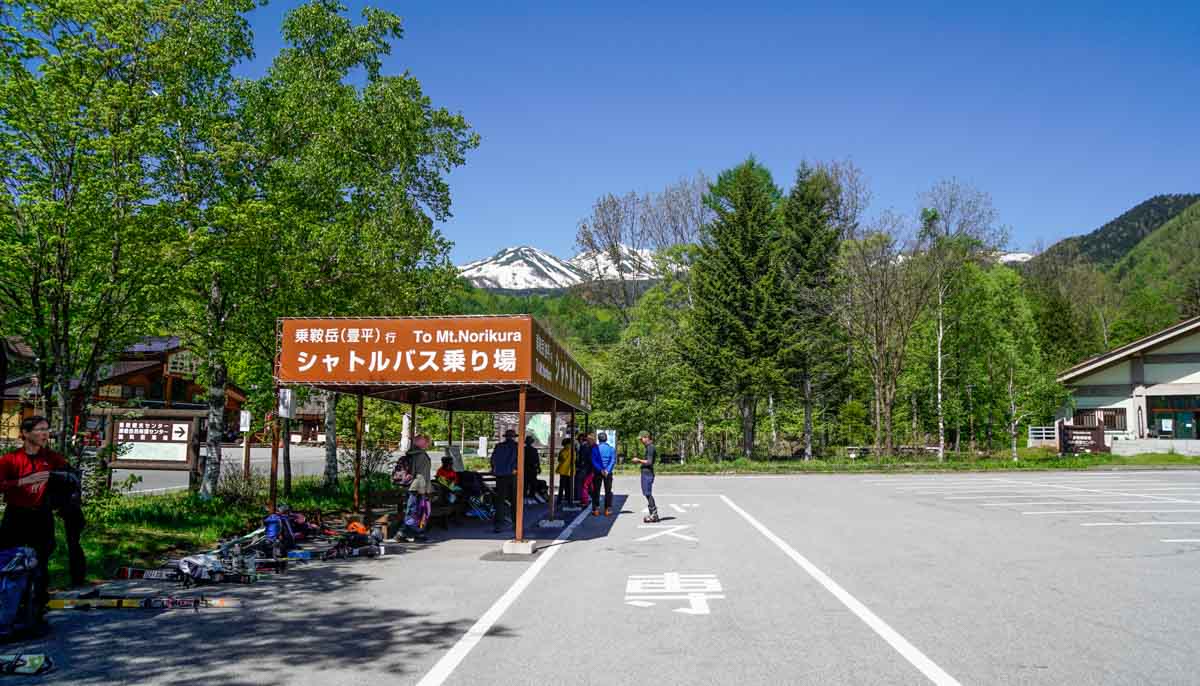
(1106, 245)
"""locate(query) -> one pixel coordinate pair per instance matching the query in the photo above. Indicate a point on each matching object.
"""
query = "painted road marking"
(697, 589)
(1066, 512)
(1162, 498)
(1066, 502)
(907, 650)
(668, 530)
(1141, 524)
(1180, 540)
(445, 666)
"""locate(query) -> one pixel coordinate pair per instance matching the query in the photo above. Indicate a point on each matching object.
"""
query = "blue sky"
(1066, 113)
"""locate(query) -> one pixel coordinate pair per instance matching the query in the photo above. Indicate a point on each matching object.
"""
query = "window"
(1110, 419)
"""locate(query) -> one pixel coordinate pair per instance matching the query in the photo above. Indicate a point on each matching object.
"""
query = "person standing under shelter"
(604, 458)
(417, 514)
(504, 466)
(565, 469)
(648, 476)
(28, 520)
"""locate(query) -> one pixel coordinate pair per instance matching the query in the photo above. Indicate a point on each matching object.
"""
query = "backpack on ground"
(18, 573)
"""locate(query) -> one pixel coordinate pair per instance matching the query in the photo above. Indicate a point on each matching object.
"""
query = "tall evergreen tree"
(806, 252)
(732, 337)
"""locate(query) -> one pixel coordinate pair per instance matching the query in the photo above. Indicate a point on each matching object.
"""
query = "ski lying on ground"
(143, 603)
(26, 664)
(176, 575)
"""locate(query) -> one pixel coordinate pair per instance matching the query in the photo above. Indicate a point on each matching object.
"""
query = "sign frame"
(114, 415)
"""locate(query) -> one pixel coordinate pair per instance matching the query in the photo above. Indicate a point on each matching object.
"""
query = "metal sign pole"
(274, 432)
(520, 489)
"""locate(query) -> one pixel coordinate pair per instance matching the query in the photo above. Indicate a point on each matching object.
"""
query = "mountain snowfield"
(525, 268)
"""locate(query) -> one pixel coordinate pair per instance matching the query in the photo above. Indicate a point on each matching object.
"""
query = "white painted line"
(445, 666)
(1066, 502)
(1141, 524)
(1065, 512)
(668, 530)
(1180, 540)
(1062, 495)
(677, 508)
(1161, 498)
(887, 633)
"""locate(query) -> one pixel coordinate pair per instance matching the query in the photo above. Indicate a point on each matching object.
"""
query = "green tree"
(90, 98)
(731, 338)
(808, 244)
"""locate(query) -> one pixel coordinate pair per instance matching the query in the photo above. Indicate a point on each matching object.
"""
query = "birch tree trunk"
(331, 461)
(215, 333)
(941, 333)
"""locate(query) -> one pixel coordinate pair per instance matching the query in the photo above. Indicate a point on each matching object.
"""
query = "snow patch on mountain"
(522, 268)
(635, 265)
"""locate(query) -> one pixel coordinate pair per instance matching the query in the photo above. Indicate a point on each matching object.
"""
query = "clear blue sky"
(1066, 114)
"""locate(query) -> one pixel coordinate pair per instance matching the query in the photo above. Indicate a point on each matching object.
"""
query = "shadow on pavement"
(288, 627)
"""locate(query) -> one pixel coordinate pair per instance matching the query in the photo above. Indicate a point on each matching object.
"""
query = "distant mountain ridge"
(1108, 244)
(526, 269)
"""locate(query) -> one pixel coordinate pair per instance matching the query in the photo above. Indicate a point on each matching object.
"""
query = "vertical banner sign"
(244, 426)
(287, 403)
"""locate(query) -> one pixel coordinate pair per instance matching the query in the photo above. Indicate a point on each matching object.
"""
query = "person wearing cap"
(648, 476)
(604, 458)
(504, 466)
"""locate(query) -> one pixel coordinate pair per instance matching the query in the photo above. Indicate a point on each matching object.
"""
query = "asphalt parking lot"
(989, 578)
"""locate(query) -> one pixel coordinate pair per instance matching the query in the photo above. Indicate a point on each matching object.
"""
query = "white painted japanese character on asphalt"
(641, 590)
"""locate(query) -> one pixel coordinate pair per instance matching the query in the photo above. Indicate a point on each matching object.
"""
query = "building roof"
(1129, 350)
(154, 345)
(16, 346)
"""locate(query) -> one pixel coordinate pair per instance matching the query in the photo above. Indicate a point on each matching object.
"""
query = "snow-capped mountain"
(637, 265)
(526, 268)
(1014, 257)
(520, 269)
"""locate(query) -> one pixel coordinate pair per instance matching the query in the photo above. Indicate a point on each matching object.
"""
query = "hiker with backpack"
(28, 520)
(416, 516)
(604, 458)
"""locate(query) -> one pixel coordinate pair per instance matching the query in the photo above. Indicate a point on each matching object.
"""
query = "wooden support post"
(167, 394)
(274, 433)
(358, 442)
(449, 431)
(576, 479)
(550, 449)
(520, 489)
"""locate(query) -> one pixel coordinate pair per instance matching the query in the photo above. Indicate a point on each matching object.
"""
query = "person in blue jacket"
(604, 458)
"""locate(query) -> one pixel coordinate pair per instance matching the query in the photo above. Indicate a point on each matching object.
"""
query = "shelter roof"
(1129, 350)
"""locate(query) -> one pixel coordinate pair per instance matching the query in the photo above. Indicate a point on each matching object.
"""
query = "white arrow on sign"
(180, 432)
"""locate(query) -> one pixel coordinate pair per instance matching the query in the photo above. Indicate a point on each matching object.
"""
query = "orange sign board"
(447, 350)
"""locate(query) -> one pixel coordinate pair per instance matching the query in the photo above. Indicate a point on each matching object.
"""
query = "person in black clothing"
(64, 494)
(504, 466)
(533, 467)
(648, 476)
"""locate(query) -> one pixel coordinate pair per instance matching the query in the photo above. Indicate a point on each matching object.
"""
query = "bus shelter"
(462, 363)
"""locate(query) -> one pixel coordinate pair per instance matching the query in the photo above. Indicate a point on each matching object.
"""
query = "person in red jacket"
(28, 520)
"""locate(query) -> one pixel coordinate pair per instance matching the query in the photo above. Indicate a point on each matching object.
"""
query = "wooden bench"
(392, 521)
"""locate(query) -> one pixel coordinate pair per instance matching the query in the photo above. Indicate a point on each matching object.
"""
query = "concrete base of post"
(517, 547)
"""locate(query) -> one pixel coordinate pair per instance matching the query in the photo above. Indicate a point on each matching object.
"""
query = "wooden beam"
(1172, 358)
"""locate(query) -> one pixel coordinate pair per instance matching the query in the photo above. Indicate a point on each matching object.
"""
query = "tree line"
(147, 189)
(795, 308)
